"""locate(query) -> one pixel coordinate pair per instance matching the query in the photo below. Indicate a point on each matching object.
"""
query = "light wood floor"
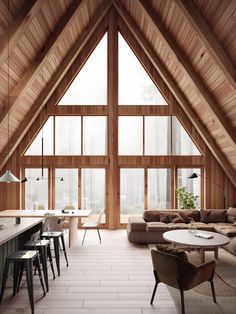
(112, 278)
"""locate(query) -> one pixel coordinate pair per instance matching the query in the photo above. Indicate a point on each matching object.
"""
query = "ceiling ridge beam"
(54, 82)
(176, 92)
(40, 60)
(206, 98)
(209, 40)
(17, 28)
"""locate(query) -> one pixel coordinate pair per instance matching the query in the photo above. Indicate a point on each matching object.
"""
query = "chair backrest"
(171, 269)
(51, 224)
(100, 216)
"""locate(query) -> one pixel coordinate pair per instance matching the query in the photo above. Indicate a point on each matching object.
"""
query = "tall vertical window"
(131, 193)
(94, 135)
(157, 135)
(182, 144)
(36, 146)
(36, 191)
(159, 188)
(67, 190)
(192, 185)
(93, 190)
(90, 85)
(130, 135)
(135, 85)
(68, 135)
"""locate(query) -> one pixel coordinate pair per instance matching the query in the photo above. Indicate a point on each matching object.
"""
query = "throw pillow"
(178, 220)
(151, 215)
(172, 251)
(231, 214)
(213, 215)
(187, 217)
(165, 218)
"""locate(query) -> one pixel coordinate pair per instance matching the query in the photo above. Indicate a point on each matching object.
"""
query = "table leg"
(216, 255)
(73, 231)
(202, 255)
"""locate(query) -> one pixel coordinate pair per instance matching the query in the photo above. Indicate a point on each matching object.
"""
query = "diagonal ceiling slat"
(18, 27)
(39, 61)
(190, 73)
(208, 38)
(170, 82)
(57, 77)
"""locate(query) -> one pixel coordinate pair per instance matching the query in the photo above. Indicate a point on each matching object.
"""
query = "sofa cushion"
(178, 220)
(231, 215)
(151, 215)
(228, 230)
(157, 226)
(172, 251)
(213, 215)
(137, 224)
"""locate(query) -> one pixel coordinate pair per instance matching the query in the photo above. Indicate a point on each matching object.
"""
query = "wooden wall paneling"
(52, 85)
(208, 100)
(113, 176)
(174, 88)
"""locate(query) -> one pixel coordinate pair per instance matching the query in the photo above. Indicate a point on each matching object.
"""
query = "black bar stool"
(44, 249)
(22, 259)
(56, 235)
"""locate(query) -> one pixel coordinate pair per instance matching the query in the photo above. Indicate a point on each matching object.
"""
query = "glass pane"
(192, 185)
(67, 191)
(130, 136)
(135, 85)
(93, 191)
(68, 135)
(90, 85)
(182, 144)
(131, 193)
(159, 188)
(36, 192)
(94, 135)
(36, 146)
(157, 135)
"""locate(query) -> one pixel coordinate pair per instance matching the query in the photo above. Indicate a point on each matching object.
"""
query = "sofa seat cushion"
(179, 225)
(227, 229)
(157, 226)
(204, 226)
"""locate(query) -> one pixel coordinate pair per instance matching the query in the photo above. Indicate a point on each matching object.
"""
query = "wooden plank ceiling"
(194, 40)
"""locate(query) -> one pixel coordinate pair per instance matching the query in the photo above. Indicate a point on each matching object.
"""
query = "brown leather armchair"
(177, 272)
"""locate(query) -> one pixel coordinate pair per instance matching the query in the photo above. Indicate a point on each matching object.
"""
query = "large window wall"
(115, 138)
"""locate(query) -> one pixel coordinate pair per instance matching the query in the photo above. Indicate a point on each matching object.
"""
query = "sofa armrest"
(136, 224)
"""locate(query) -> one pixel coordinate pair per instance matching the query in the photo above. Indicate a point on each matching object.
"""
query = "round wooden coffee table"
(191, 241)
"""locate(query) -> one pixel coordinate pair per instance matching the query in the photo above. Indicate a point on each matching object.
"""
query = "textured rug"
(199, 300)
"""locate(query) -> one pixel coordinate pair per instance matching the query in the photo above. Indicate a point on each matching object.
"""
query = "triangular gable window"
(90, 85)
(135, 85)
(182, 144)
(35, 148)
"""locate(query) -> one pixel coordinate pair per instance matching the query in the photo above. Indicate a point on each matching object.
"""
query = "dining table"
(72, 215)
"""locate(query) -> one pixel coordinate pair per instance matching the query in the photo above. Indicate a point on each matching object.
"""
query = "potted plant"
(187, 199)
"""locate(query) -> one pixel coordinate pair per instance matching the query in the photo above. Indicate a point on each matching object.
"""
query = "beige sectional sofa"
(150, 227)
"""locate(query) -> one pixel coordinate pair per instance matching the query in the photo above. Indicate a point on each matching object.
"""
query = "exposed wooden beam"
(209, 40)
(206, 98)
(37, 65)
(57, 77)
(18, 27)
(177, 93)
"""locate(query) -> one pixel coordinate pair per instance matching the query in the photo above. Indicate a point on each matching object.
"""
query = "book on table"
(203, 235)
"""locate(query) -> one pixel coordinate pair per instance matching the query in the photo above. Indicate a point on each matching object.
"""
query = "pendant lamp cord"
(42, 134)
(8, 85)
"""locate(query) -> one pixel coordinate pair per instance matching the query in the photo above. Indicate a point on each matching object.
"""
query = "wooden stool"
(56, 235)
(44, 249)
(22, 259)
